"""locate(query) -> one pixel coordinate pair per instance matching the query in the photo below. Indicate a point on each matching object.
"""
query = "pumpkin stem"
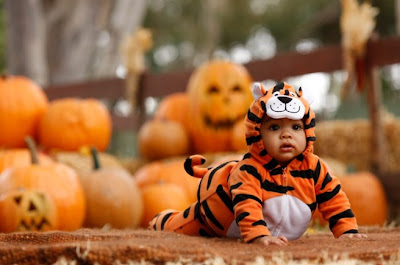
(30, 143)
(95, 157)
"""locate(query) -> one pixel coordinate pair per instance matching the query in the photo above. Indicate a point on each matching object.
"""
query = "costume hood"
(280, 101)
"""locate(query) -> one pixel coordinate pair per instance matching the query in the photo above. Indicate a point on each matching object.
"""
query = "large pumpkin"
(220, 95)
(58, 181)
(71, 123)
(22, 104)
(367, 198)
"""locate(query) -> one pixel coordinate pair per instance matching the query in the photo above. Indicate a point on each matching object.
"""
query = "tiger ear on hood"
(307, 96)
(258, 90)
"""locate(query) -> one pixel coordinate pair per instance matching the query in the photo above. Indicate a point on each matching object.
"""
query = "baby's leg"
(187, 222)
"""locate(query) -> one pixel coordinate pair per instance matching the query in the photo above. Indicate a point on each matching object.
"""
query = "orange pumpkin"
(367, 198)
(20, 157)
(174, 107)
(58, 181)
(112, 197)
(169, 171)
(162, 196)
(220, 95)
(161, 138)
(22, 104)
(238, 137)
(71, 123)
(27, 210)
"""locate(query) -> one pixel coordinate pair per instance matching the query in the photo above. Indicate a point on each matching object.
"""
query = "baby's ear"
(258, 90)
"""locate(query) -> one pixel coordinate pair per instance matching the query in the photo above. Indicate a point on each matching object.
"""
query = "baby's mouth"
(286, 147)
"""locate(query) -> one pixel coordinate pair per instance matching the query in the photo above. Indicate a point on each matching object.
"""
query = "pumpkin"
(159, 139)
(112, 197)
(58, 181)
(367, 198)
(22, 104)
(219, 94)
(27, 210)
(238, 137)
(17, 157)
(174, 107)
(168, 171)
(162, 196)
(70, 123)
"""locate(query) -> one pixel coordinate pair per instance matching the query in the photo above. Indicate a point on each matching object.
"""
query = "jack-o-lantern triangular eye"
(18, 199)
(213, 89)
(236, 89)
(32, 207)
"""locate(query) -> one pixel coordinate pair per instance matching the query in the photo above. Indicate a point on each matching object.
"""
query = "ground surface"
(130, 246)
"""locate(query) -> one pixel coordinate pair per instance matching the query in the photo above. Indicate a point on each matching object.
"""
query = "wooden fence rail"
(380, 52)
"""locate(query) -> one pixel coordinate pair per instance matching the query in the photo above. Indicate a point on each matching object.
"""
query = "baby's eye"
(296, 127)
(274, 127)
(276, 94)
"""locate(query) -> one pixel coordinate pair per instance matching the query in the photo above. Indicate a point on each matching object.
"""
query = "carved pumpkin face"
(26, 210)
(220, 96)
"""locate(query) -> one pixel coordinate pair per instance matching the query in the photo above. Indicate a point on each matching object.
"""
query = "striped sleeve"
(333, 202)
(245, 186)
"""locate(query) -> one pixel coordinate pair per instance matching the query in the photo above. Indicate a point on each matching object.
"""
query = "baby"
(270, 195)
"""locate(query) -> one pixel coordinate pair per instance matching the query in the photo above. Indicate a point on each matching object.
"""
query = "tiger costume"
(256, 196)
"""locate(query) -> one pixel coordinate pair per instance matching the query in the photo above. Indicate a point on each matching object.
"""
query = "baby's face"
(284, 139)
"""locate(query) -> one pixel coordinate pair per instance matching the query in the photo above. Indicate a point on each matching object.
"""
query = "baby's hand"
(267, 240)
(353, 236)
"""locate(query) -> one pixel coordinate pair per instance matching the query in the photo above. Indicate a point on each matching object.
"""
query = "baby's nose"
(285, 100)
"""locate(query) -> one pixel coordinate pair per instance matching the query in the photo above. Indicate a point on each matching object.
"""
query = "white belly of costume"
(285, 215)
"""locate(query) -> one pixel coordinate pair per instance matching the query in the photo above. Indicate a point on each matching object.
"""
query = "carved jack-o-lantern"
(220, 95)
(27, 210)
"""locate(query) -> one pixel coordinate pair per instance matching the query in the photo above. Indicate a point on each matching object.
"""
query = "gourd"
(112, 197)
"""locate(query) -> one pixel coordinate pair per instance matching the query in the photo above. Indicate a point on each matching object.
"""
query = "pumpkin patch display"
(22, 104)
(70, 123)
(112, 197)
(27, 210)
(217, 97)
(56, 180)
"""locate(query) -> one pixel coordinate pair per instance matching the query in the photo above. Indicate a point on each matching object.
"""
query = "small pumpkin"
(162, 196)
(219, 94)
(70, 123)
(22, 104)
(168, 171)
(238, 137)
(174, 107)
(112, 197)
(159, 139)
(27, 210)
(367, 198)
(58, 181)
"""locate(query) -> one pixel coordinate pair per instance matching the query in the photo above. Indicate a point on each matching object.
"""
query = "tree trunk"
(68, 41)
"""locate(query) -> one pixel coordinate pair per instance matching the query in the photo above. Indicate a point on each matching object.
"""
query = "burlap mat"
(88, 246)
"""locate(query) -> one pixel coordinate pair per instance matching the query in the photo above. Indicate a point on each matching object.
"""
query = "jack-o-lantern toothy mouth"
(33, 226)
(222, 124)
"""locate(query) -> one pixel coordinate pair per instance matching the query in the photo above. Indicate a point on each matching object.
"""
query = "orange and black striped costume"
(256, 196)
